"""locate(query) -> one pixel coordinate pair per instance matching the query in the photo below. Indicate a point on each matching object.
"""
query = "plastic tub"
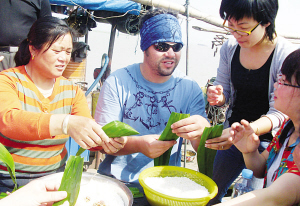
(157, 198)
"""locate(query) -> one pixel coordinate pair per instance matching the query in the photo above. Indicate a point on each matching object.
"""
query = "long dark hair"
(44, 32)
(263, 11)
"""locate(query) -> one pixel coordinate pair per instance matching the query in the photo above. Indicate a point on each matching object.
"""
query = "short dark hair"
(263, 11)
(153, 12)
(291, 67)
(44, 32)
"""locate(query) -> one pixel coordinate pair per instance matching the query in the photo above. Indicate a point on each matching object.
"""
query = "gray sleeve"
(108, 106)
(282, 50)
(224, 71)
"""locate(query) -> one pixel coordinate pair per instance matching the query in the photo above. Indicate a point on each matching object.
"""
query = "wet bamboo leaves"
(71, 180)
(206, 156)
(168, 135)
(114, 129)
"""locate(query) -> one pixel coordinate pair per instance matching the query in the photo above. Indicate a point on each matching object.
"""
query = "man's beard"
(166, 72)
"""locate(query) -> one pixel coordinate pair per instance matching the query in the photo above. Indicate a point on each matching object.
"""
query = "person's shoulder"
(229, 45)
(13, 71)
(124, 74)
(125, 70)
(181, 77)
(283, 43)
(229, 42)
(283, 48)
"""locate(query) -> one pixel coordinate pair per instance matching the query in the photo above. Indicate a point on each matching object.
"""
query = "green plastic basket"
(158, 199)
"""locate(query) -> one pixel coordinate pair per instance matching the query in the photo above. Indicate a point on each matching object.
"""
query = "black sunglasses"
(163, 47)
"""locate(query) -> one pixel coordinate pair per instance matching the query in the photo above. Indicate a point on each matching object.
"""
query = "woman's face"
(247, 24)
(287, 98)
(51, 63)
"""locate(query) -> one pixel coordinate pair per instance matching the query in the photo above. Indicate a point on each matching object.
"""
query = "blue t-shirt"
(146, 106)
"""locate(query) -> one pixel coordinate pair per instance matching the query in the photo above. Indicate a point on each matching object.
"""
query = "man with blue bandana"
(144, 95)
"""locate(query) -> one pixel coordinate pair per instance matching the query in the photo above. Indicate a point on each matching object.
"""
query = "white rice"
(181, 187)
(94, 193)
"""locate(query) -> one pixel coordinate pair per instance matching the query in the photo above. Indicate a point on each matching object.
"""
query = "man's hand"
(150, 146)
(191, 128)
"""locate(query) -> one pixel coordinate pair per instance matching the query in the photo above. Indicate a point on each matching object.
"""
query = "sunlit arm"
(284, 191)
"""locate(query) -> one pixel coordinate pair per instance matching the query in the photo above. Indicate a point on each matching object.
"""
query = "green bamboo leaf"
(3, 194)
(6, 157)
(136, 192)
(71, 180)
(114, 129)
(118, 129)
(206, 156)
(168, 135)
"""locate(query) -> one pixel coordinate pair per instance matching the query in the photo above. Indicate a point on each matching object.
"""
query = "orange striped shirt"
(25, 116)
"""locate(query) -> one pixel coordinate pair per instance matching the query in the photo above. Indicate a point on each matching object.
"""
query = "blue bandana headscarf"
(160, 28)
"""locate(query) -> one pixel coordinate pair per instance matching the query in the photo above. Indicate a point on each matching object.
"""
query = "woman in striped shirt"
(40, 109)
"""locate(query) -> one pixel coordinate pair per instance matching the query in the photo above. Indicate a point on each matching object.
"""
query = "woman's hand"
(220, 143)
(244, 138)
(87, 133)
(36, 193)
(215, 95)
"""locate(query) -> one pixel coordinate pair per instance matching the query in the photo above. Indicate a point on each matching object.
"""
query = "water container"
(244, 184)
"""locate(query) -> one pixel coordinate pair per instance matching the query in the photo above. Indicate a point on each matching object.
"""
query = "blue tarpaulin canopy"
(121, 6)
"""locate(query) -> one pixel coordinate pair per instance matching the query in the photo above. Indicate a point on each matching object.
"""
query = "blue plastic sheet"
(121, 6)
(73, 147)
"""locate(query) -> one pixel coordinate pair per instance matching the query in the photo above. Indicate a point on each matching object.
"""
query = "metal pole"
(187, 37)
(110, 49)
(187, 61)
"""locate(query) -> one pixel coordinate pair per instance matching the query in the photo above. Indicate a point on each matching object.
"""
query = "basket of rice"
(171, 185)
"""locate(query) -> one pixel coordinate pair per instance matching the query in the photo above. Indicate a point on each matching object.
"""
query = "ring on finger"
(222, 147)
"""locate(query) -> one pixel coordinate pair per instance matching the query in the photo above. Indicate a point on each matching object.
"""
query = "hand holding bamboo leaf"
(222, 142)
(115, 129)
(151, 147)
(168, 135)
(85, 131)
(206, 156)
(36, 193)
(191, 128)
(71, 180)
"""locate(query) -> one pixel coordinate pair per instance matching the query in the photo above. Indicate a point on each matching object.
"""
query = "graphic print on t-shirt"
(152, 102)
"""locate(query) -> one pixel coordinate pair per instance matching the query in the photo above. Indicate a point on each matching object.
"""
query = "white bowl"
(95, 184)
(190, 155)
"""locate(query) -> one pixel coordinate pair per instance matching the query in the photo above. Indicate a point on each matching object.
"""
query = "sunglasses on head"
(163, 47)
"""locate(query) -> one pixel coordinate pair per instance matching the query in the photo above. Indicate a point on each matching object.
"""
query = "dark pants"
(228, 165)
(8, 61)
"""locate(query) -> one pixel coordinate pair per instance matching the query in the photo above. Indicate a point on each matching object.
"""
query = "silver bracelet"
(64, 126)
